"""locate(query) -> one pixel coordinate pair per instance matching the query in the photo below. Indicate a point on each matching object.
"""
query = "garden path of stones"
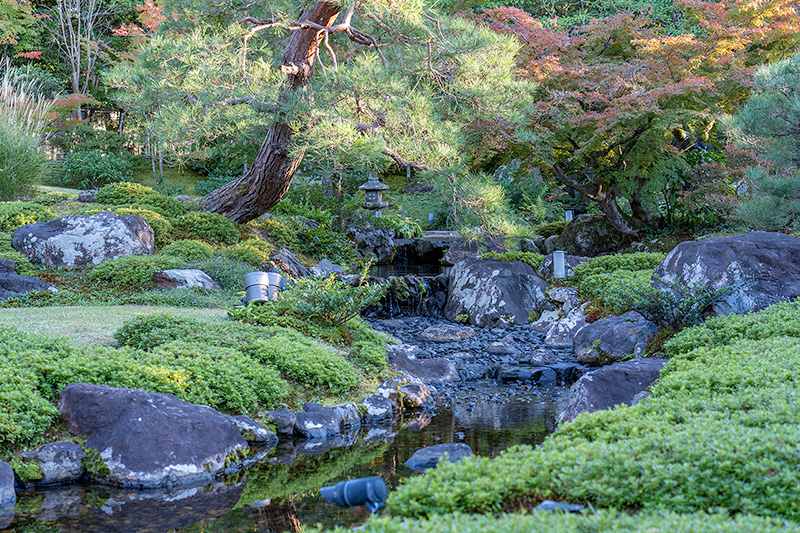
(515, 356)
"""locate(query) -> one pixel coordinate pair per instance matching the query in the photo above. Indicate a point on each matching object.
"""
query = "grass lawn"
(91, 325)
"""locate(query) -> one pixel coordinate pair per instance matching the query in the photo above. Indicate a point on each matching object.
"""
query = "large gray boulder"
(591, 235)
(184, 278)
(426, 458)
(149, 439)
(12, 285)
(61, 462)
(616, 384)
(762, 268)
(491, 292)
(611, 339)
(80, 240)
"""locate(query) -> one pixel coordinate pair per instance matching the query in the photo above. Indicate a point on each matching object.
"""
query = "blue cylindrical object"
(369, 491)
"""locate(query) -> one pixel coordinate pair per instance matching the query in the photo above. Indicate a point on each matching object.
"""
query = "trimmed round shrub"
(302, 359)
(165, 205)
(252, 251)
(606, 264)
(16, 214)
(90, 170)
(189, 249)
(123, 193)
(148, 331)
(550, 228)
(283, 235)
(223, 377)
(209, 226)
(134, 271)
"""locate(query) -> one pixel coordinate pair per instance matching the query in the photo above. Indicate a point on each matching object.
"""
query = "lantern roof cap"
(373, 184)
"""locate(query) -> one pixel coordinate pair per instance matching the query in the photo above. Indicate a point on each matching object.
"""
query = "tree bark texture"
(266, 182)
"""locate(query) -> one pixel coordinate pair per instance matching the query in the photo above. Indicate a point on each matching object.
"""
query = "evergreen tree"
(394, 85)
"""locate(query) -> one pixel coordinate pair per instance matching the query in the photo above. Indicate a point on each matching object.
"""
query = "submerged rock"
(426, 458)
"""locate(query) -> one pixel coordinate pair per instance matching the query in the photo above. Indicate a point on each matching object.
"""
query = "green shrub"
(283, 235)
(779, 320)
(147, 331)
(170, 188)
(606, 264)
(329, 299)
(625, 290)
(532, 258)
(21, 263)
(25, 415)
(252, 251)
(209, 226)
(322, 242)
(91, 170)
(404, 227)
(304, 360)
(16, 214)
(122, 193)
(619, 291)
(229, 273)
(550, 228)
(213, 182)
(189, 250)
(163, 230)
(223, 376)
(163, 205)
(304, 210)
(600, 520)
(134, 271)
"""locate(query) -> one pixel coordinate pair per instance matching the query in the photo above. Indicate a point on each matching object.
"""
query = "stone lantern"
(373, 192)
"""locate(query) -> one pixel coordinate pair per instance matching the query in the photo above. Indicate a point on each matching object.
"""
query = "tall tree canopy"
(394, 84)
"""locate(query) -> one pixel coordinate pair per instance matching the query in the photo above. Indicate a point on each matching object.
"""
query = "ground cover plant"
(719, 431)
(227, 364)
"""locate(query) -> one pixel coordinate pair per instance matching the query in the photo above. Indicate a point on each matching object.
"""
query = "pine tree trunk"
(269, 178)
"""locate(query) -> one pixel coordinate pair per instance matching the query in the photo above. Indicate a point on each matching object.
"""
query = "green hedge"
(601, 521)
(608, 264)
(16, 214)
(720, 431)
(209, 226)
(122, 193)
(306, 361)
(134, 271)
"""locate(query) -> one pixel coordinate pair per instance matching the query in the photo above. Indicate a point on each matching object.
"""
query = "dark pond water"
(281, 492)
(385, 271)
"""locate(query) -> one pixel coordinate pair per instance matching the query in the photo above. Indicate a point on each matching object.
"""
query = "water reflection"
(281, 492)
